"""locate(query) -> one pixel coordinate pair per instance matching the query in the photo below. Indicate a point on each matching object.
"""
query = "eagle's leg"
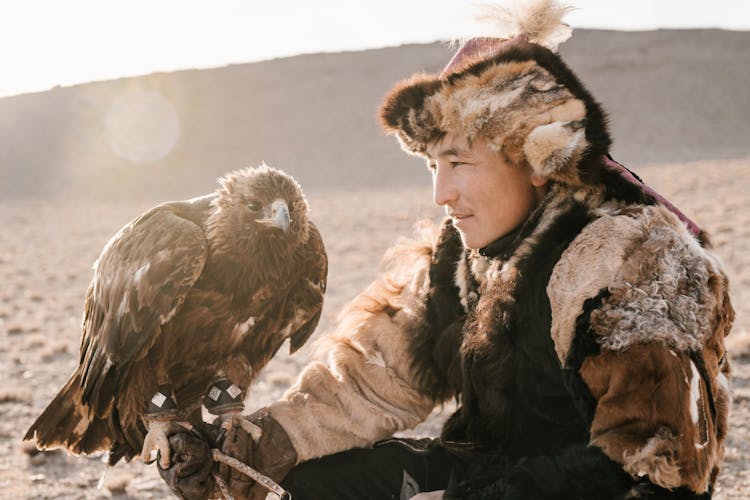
(160, 415)
(226, 400)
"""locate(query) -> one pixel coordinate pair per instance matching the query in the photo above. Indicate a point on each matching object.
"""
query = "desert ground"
(69, 182)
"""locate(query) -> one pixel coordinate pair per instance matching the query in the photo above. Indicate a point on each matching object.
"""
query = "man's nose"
(443, 189)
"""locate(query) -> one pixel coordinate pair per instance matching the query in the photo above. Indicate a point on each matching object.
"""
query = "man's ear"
(538, 180)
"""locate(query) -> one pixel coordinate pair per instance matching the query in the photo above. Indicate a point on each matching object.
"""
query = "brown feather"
(66, 423)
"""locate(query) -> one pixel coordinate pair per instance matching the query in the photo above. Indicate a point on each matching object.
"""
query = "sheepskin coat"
(587, 346)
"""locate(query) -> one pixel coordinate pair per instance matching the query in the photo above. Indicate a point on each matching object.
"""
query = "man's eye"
(432, 167)
(454, 164)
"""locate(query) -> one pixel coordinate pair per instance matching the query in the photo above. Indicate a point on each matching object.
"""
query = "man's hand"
(238, 443)
(189, 475)
(274, 455)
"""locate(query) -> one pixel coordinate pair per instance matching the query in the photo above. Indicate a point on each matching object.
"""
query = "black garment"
(392, 469)
(513, 392)
(398, 469)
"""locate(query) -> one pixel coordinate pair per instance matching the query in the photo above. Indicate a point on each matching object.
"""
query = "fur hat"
(513, 91)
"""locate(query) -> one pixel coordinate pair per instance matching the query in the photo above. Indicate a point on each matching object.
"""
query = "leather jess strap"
(636, 181)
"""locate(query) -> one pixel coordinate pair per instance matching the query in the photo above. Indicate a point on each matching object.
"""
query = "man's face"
(484, 194)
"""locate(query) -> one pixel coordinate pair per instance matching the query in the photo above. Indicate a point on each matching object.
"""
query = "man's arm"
(640, 312)
(387, 364)
(372, 383)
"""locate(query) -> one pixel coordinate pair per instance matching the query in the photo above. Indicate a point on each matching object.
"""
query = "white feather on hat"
(540, 21)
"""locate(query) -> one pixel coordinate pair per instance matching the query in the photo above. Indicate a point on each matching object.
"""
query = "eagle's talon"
(227, 420)
(255, 431)
(233, 418)
(156, 439)
(186, 425)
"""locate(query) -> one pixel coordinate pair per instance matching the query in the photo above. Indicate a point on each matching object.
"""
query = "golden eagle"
(187, 303)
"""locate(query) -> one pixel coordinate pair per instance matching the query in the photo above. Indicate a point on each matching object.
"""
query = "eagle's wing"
(140, 281)
(307, 298)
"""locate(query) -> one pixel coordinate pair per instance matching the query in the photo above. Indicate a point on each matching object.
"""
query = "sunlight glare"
(48, 42)
(142, 126)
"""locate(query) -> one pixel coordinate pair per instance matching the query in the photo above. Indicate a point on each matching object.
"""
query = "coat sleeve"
(372, 382)
(639, 315)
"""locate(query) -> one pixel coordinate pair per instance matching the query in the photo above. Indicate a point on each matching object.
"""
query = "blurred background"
(153, 126)
(107, 108)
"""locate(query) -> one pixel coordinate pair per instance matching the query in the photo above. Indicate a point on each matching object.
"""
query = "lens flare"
(142, 126)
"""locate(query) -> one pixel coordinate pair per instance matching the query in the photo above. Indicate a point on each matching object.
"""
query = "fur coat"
(585, 350)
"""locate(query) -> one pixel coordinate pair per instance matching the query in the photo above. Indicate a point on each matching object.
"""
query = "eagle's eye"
(254, 206)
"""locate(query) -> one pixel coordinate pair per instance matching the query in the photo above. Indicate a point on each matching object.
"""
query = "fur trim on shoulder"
(661, 292)
(659, 281)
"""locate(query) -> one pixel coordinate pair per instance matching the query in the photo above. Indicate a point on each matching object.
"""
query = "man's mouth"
(458, 219)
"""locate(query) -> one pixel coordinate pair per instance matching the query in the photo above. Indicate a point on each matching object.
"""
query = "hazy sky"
(44, 43)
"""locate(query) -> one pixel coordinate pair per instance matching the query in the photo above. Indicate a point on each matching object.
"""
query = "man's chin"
(468, 229)
(467, 240)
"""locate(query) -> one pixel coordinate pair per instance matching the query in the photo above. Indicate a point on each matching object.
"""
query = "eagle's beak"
(280, 215)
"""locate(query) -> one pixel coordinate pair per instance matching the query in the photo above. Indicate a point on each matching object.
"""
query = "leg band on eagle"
(223, 396)
(159, 416)
(163, 404)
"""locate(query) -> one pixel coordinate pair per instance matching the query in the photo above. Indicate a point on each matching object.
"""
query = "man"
(576, 315)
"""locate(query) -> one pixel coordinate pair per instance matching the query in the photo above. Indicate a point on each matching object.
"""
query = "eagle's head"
(261, 211)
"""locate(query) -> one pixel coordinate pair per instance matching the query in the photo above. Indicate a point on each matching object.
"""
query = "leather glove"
(274, 454)
(189, 475)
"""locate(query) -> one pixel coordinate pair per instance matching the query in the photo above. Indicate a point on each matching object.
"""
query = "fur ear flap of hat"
(516, 94)
(403, 112)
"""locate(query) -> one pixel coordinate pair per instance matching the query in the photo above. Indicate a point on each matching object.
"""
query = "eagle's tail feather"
(67, 423)
(128, 444)
(120, 451)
